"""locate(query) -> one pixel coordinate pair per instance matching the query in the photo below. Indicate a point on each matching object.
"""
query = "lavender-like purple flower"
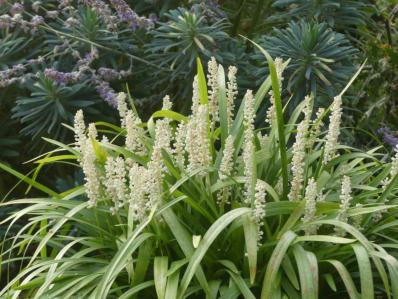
(71, 22)
(18, 19)
(52, 14)
(108, 74)
(126, 14)
(61, 77)
(64, 3)
(12, 75)
(388, 136)
(103, 11)
(107, 93)
(5, 22)
(36, 6)
(84, 62)
(210, 9)
(16, 8)
(36, 22)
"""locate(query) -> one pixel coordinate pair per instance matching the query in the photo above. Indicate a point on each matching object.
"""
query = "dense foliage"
(90, 50)
(201, 205)
(157, 181)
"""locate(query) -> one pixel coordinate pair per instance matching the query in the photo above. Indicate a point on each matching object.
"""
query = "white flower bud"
(115, 181)
(179, 144)
(91, 174)
(138, 198)
(248, 147)
(213, 89)
(122, 108)
(232, 92)
(167, 104)
(334, 130)
(80, 128)
(317, 124)
(226, 169)
(134, 134)
(298, 160)
(345, 198)
(310, 207)
(259, 212)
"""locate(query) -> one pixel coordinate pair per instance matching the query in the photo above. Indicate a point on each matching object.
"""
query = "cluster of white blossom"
(345, 200)
(79, 128)
(134, 134)
(259, 206)
(279, 70)
(139, 204)
(248, 146)
(92, 131)
(334, 130)
(115, 181)
(179, 144)
(226, 169)
(271, 112)
(195, 96)
(213, 89)
(310, 207)
(316, 126)
(298, 163)
(167, 104)
(232, 92)
(131, 122)
(122, 108)
(156, 166)
(88, 159)
(197, 143)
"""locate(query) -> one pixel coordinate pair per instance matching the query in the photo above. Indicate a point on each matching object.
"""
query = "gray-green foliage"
(322, 60)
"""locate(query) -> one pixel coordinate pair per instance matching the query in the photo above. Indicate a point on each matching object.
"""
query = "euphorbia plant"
(207, 205)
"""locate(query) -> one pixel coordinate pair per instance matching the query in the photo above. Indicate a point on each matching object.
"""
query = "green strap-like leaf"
(365, 271)
(274, 263)
(184, 240)
(202, 83)
(251, 236)
(308, 272)
(119, 260)
(136, 289)
(29, 181)
(222, 104)
(172, 283)
(279, 116)
(160, 266)
(346, 278)
(211, 234)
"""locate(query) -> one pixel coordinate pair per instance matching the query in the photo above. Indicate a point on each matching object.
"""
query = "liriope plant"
(208, 206)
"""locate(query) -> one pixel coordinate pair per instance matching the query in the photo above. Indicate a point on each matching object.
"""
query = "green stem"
(238, 18)
(257, 15)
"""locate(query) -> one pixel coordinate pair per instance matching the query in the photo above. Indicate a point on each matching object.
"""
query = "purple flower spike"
(61, 77)
(107, 93)
(5, 22)
(388, 136)
(103, 10)
(126, 14)
(16, 8)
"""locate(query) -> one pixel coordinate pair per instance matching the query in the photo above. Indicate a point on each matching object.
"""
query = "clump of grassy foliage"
(206, 205)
